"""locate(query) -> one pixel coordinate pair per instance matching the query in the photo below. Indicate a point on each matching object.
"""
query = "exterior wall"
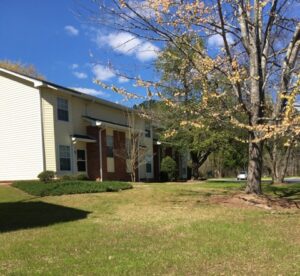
(31, 134)
(118, 163)
(48, 118)
(21, 143)
(59, 132)
(77, 125)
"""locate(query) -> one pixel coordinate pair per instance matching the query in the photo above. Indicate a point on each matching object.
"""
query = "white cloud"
(128, 44)
(72, 31)
(217, 40)
(91, 91)
(147, 51)
(102, 73)
(123, 43)
(123, 79)
(80, 75)
(74, 66)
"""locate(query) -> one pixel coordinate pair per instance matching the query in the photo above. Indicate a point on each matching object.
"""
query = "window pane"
(128, 147)
(62, 104)
(62, 109)
(64, 158)
(64, 152)
(63, 115)
(110, 152)
(110, 146)
(65, 164)
(81, 166)
(148, 168)
(110, 141)
(81, 155)
(147, 130)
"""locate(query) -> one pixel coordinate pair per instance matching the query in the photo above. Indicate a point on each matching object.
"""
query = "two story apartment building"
(45, 126)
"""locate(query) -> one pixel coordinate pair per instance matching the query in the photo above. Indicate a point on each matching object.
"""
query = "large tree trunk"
(257, 101)
(195, 170)
(280, 160)
(198, 160)
(255, 166)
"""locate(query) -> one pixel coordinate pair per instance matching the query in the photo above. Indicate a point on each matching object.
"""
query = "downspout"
(73, 164)
(100, 153)
(159, 162)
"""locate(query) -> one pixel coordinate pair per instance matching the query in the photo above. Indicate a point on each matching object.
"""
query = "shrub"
(67, 177)
(163, 176)
(46, 176)
(168, 166)
(61, 187)
(82, 176)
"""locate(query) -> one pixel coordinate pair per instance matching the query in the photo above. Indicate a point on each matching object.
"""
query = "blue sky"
(67, 51)
(48, 35)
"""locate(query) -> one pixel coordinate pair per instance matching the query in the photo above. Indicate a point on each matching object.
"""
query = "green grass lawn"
(66, 187)
(153, 229)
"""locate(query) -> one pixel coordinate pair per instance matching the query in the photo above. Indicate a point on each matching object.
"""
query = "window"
(81, 161)
(62, 110)
(148, 168)
(147, 130)
(64, 158)
(128, 147)
(148, 159)
(110, 146)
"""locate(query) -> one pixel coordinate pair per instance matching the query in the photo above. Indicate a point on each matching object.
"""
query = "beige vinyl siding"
(21, 146)
(59, 132)
(106, 113)
(48, 126)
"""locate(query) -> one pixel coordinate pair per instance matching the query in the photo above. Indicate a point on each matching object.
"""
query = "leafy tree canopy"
(19, 67)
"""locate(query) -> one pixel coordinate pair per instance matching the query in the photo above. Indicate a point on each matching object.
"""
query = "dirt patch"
(242, 200)
(5, 183)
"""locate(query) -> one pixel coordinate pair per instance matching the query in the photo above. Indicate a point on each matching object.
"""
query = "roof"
(83, 138)
(43, 83)
(105, 121)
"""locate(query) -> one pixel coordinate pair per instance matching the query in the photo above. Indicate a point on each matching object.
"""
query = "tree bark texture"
(255, 166)
(280, 158)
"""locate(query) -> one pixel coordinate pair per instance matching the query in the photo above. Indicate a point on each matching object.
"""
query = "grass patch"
(289, 191)
(61, 187)
(161, 229)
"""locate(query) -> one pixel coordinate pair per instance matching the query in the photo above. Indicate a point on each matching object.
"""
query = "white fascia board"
(36, 83)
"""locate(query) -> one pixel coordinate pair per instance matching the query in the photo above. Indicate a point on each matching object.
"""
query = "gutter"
(100, 153)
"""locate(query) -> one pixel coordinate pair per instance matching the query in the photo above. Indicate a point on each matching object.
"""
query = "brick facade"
(93, 156)
(119, 159)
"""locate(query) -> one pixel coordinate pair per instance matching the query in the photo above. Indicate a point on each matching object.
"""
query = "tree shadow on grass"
(24, 215)
(291, 194)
